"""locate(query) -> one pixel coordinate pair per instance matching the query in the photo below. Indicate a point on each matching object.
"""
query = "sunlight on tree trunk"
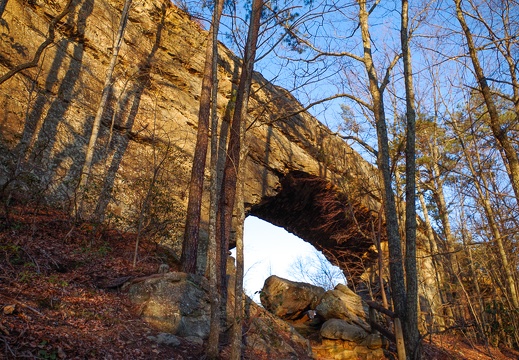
(491, 218)
(500, 133)
(411, 318)
(196, 185)
(236, 331)
(232, 165)
(395, 249)
(212, 265)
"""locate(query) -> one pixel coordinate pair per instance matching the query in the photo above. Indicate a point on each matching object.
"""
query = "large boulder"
(174, 302)
(337, 329)
(269, 337)
(343, 303)
(287, 299)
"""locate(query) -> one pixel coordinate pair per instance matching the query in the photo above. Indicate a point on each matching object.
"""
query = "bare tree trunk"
(212, 265)
(411, 319)
(467, 239)
(87, 166)
(237, 332)
(502, 138)
(439, 271)
(491, 219)
(232, 163)
(500, 133)
(196, 185)
(392, 229)
(377, 235)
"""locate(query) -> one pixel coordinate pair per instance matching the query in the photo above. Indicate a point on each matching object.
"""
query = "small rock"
(373, 341)
(165, 339)
(195, 340)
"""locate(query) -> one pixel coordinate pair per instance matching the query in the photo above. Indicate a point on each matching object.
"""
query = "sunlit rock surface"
(175, 303)
(149, 126)
(287, 299)
(342, 334)
(299, 174)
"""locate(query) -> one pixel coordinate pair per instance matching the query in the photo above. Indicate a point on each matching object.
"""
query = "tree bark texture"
(196, 185)
(212, 265)
(396, 269)
(412, 334)
(232, 162)
(237, 331)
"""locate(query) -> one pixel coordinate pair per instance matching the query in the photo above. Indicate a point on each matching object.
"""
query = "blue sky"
(269, 250)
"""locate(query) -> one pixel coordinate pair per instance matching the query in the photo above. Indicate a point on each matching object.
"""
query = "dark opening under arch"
(317, 211)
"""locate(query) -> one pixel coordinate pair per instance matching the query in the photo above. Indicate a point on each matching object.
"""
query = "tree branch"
(49, 40)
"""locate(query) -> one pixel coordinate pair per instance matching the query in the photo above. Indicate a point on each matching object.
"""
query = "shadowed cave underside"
(316, 211)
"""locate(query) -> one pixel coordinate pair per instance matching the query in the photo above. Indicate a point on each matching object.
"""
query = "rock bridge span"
(299, 174)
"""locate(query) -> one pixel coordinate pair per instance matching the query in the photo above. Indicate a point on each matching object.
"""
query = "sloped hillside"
(59, 297)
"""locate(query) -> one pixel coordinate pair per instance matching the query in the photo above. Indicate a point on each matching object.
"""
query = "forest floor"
(54, 303)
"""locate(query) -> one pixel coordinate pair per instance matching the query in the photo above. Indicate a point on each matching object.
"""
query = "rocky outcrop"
(345, 350)
(269, 337)
(342, 340)
(175, 303)
(298, 171)
(287, 299)
(343, 303)
(299, 174)
(178, 305)
(338, 331)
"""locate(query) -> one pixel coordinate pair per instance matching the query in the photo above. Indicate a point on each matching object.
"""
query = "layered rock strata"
(299, 174)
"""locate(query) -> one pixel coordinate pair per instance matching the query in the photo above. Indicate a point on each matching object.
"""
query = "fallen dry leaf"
(9, 309)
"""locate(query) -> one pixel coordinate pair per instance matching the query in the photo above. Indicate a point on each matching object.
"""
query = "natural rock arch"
(300, 175)
(316, 211)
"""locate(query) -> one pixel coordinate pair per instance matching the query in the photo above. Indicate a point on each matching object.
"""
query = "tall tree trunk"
(396, 269)
(499, 132)
(377, 239)
(232, 163)
(237, 332)
(491, 219)
(411, 319)
(87, 166)
(467, 240)
(212, 265)
(450, 263)
(196, 185)
(433, 250)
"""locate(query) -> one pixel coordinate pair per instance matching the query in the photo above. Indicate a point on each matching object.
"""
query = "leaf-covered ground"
(52, 301)
(55, 304)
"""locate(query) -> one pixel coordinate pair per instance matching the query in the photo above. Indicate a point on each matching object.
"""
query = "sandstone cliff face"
(298, 172)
